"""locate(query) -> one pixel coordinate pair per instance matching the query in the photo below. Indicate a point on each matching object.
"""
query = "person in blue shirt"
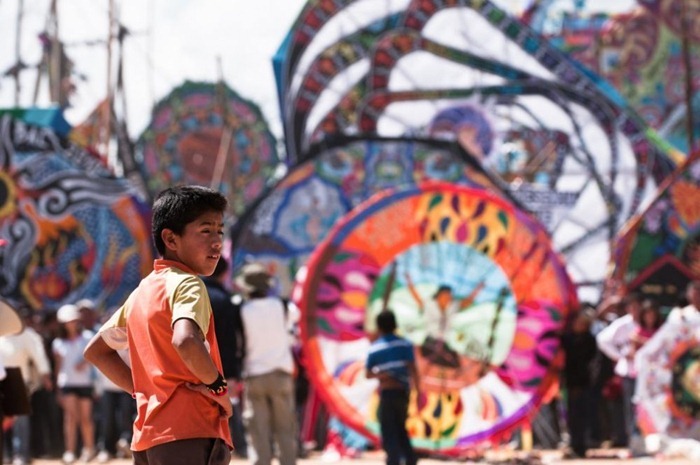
(391, 362)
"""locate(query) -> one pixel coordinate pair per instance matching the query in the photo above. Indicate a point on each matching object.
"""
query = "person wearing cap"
(269, 412)
(74, 379)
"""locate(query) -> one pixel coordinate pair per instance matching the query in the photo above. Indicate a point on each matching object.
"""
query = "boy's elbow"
(94, 349)
(88, 354)
(186, 335)
(182, 342)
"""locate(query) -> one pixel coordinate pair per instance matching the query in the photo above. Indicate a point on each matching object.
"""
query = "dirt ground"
(607, 457)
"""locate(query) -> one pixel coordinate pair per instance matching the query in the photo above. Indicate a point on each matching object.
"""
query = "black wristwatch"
(219, 387)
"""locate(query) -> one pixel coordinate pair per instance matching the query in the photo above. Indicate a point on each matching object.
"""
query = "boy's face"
(199, 245)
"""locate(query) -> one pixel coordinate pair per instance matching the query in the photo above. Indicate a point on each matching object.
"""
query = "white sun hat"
(68, 313)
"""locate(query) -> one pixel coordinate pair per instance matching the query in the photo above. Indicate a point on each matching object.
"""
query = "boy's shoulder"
(174, 275)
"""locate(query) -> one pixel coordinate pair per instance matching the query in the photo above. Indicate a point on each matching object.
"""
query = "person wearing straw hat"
(269, 412)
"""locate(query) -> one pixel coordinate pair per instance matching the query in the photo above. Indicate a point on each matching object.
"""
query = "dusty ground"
(608, 457)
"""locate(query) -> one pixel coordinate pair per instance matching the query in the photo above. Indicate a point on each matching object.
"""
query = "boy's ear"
(169, 238)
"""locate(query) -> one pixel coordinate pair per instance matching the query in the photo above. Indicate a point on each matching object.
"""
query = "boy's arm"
(189, 344)
(108, 361)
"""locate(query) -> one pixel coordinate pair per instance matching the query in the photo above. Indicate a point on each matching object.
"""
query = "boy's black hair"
(176, 207)
(386, 322)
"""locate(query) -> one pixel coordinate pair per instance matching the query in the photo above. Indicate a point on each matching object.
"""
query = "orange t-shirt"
(167, 410)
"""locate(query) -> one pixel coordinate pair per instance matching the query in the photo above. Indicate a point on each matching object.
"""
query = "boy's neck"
(168, 255)
(169, 258)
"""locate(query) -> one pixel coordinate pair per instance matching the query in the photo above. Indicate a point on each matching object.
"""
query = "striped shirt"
(393, 355)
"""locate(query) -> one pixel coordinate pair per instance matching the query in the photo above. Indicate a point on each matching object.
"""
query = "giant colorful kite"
(286, 224)
(206, 134)
(641, 53)
(73, 229)
(562, 139)
(668, 378)
(658, 251)
(502, 344)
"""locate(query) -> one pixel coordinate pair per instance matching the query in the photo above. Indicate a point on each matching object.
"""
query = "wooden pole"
(226, 135)
(106, 126)
(18, 50)
(55, 60)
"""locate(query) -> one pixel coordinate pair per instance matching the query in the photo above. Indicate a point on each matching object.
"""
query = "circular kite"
(484, 367)
(72, 229)
(288, 222)
(668, 378)
(558, 136)
(658, 251)
(206, 134)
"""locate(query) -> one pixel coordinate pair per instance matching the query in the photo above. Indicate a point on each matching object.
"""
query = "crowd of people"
(602, 347)
(228, 362)
(73, 407)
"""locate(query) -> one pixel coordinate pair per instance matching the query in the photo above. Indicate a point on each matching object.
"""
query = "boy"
(391, 361)
(174, 370)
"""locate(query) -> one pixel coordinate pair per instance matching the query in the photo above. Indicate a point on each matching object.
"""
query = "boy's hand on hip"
(225, 407)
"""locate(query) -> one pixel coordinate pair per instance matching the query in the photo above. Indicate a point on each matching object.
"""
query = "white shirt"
(102, 383)
(24, 349)
(71, 353)
(615, 341)
(687, 314)
(268, 341)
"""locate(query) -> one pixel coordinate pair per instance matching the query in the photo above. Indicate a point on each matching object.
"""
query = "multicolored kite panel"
(206, 134)
(73, 229)
(483, 371)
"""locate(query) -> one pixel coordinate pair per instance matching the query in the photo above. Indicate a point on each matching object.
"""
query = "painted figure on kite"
(438, 313)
